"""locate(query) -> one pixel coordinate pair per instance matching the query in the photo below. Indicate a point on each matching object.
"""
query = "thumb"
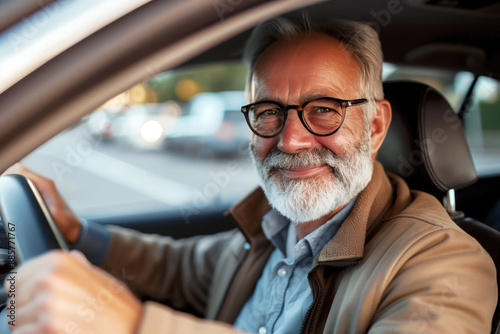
(80, 257)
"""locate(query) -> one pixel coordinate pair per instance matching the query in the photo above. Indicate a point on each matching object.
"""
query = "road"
(97, 176)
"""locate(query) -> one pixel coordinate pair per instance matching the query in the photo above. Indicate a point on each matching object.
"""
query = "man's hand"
(64, 217)
(61, 292)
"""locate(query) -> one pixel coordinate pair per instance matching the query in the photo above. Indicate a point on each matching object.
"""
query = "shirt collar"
(283, 236)
(274, 227)
(318, 238)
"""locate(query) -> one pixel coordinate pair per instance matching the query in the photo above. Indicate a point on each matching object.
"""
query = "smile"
(304, 171)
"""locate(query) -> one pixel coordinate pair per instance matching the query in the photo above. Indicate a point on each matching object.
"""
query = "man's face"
(305, 176)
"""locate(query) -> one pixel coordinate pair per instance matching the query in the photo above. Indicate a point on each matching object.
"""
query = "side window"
(178, 140)
(453, 85)
(482, 126)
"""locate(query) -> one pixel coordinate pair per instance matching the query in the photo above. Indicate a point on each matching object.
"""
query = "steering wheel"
(29, 228)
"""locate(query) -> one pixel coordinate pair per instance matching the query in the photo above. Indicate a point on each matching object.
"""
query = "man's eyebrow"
(266, 98)
(303, 99)
(312, 96)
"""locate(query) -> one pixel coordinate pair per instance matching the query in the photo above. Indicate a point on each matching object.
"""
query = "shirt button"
(281, 272)
(262, 330)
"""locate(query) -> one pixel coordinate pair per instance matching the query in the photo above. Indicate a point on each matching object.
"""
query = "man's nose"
(295, 137)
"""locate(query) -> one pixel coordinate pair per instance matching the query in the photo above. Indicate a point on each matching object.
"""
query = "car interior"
(427, 144)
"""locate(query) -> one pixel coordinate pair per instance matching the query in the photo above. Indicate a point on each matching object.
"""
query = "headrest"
(425, 143)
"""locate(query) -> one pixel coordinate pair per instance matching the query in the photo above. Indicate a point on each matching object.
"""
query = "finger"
(64, 217)
(80, 257)
(15, 168)
(21, 169)
(26, 292)
(44, 185)
(25, 329)
(57, 263)
(98, 275)
(40, 265)
(56, 293)
(28, 311)
(68, 302)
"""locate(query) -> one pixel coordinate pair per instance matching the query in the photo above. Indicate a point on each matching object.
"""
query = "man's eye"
(268, 113)
(323, 110)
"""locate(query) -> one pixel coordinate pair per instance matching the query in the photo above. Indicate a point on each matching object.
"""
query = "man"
(342, 249)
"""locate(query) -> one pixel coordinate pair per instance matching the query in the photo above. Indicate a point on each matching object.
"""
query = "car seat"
(426, 146)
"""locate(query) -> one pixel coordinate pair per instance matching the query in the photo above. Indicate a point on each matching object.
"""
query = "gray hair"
(358, 38)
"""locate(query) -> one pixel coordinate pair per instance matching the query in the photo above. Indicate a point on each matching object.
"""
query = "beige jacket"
(398, 264)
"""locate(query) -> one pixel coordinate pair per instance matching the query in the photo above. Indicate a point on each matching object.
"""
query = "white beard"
(307, 199)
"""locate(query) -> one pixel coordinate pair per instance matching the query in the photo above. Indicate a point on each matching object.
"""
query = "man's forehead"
(270, 91)
(316, 64)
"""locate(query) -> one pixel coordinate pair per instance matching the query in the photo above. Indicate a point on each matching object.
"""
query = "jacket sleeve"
(444, 283)
(175, 272)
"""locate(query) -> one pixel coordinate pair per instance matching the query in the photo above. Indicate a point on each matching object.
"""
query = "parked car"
(211, 124)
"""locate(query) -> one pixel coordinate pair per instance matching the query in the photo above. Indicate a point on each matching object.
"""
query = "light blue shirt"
(282, 297)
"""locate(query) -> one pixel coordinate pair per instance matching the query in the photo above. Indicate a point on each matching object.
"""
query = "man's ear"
(380, 125)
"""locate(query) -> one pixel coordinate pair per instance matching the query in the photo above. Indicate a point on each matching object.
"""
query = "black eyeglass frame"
(343, 103)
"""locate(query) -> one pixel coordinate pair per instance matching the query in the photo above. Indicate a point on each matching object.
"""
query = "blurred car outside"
(211, 125)
(142, 126)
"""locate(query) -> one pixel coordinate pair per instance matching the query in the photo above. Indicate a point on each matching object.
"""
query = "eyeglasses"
(322, 117)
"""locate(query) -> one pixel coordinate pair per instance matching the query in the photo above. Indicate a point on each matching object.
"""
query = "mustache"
(276, 159)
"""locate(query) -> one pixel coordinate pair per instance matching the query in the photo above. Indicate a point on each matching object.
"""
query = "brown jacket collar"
(372, 205)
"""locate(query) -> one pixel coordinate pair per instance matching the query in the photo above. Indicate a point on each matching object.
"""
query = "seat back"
(426, 146)
(425, 143)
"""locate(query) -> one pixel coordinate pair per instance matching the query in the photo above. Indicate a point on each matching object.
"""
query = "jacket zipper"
(315, 305)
